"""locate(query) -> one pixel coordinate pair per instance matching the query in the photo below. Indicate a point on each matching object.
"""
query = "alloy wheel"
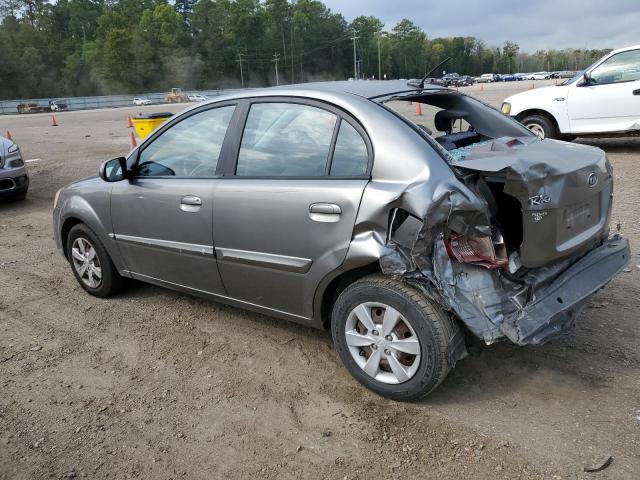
(382, 342)
(86, 262)
(537, 129)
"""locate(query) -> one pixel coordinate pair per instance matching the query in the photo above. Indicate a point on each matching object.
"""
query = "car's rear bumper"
(556, 307)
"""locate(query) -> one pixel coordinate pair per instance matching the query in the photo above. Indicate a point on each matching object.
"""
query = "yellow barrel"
(145, 124)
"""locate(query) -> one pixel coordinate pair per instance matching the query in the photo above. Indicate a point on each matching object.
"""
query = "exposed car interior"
(456, 121)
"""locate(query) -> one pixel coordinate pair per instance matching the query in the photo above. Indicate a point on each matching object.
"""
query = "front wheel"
(391, 338)
(541, 126)
(91, 263)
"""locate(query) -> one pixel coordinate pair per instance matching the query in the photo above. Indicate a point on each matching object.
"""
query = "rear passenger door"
(285, 209)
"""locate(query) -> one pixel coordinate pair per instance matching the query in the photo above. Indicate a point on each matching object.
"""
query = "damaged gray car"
(326, 205)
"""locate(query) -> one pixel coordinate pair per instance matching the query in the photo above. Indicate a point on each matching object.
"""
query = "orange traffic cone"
(132, 140)
(8, 135)
(129, 122)
(533, 85)
(54, 122)
(418, 109)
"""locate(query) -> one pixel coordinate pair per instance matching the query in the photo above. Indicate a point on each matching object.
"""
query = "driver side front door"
(611, 101)
(163, 217)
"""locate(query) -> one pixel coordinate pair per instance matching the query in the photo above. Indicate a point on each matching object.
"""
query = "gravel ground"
(155, 384)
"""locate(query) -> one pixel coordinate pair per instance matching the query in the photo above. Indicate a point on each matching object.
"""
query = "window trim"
(602, 63)
(224, 150)
(245, 106)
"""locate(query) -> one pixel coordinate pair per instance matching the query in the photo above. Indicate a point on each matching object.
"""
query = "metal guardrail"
(107, 101)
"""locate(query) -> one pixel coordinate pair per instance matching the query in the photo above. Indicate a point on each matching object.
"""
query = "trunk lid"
(563, 190)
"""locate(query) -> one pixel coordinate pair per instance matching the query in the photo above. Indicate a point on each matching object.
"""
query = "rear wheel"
(391, 338)
(91, 263)
(541, 126)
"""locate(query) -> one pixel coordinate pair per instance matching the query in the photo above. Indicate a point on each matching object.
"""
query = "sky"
(532, 24)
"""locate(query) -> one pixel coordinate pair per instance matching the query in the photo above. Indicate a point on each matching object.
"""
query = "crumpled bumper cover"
(555, 307)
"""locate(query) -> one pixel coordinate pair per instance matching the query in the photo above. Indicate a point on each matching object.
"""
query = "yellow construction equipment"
(175, 96)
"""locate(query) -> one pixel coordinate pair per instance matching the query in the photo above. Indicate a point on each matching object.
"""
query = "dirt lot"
(155, 384)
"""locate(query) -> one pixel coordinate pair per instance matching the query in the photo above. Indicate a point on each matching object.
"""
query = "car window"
(623, 67)
(350, 157)
(285, 140)
(190, 148)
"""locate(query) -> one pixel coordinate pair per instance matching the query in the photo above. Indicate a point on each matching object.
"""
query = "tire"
(110, 281)
(428, 326)
(540, 125)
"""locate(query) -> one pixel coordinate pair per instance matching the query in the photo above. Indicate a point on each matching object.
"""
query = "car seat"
(444, 121)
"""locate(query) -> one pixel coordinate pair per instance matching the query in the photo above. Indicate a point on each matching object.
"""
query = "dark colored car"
(323, 205)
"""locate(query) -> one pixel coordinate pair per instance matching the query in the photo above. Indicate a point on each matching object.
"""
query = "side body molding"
(269, 260)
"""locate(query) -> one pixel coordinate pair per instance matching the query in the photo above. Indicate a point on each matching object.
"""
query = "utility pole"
(355, 66)
(241, 74)
(276, 57)
(379, 64)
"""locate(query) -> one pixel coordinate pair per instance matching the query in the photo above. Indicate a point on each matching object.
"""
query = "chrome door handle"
(190, 203)
(325, 208)
(636, 91)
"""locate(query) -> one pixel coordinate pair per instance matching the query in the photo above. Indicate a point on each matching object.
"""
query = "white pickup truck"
(603, 100)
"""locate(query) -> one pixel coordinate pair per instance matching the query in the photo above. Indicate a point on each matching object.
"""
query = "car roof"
(364, 88)
(624, 49)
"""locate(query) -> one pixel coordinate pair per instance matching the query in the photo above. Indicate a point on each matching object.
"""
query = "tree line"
(95, 47)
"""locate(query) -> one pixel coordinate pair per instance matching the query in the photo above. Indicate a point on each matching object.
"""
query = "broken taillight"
(488, 252)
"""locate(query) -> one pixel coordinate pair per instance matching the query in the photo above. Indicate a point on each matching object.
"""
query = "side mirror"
(114, 170)
(586, 79)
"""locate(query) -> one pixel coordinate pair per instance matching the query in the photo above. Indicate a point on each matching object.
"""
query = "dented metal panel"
(565, 215)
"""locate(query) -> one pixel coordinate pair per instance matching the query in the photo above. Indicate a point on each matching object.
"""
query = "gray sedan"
(326, 205)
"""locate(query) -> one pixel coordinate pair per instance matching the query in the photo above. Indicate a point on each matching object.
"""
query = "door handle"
(325, 208)
(191, 200)
(636, 91)
(325, 212)
(190, 203)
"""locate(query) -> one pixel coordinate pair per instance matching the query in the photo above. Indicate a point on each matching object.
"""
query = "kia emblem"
(592, 179)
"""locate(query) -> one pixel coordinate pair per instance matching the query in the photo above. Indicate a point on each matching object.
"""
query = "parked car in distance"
(466, 80)
(509, 77)
(319, 204)
(604, 100)
(487, 78)
(564, 74)
(14, 179)
(58, 105)
(450, 79)
(539, 76)
(138, 101)
(196, 97)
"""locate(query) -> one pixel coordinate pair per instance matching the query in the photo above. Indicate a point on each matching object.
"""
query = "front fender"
(551, 101)
(94, 210)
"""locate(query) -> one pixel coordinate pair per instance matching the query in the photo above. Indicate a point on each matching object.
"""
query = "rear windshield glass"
(455, 121)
